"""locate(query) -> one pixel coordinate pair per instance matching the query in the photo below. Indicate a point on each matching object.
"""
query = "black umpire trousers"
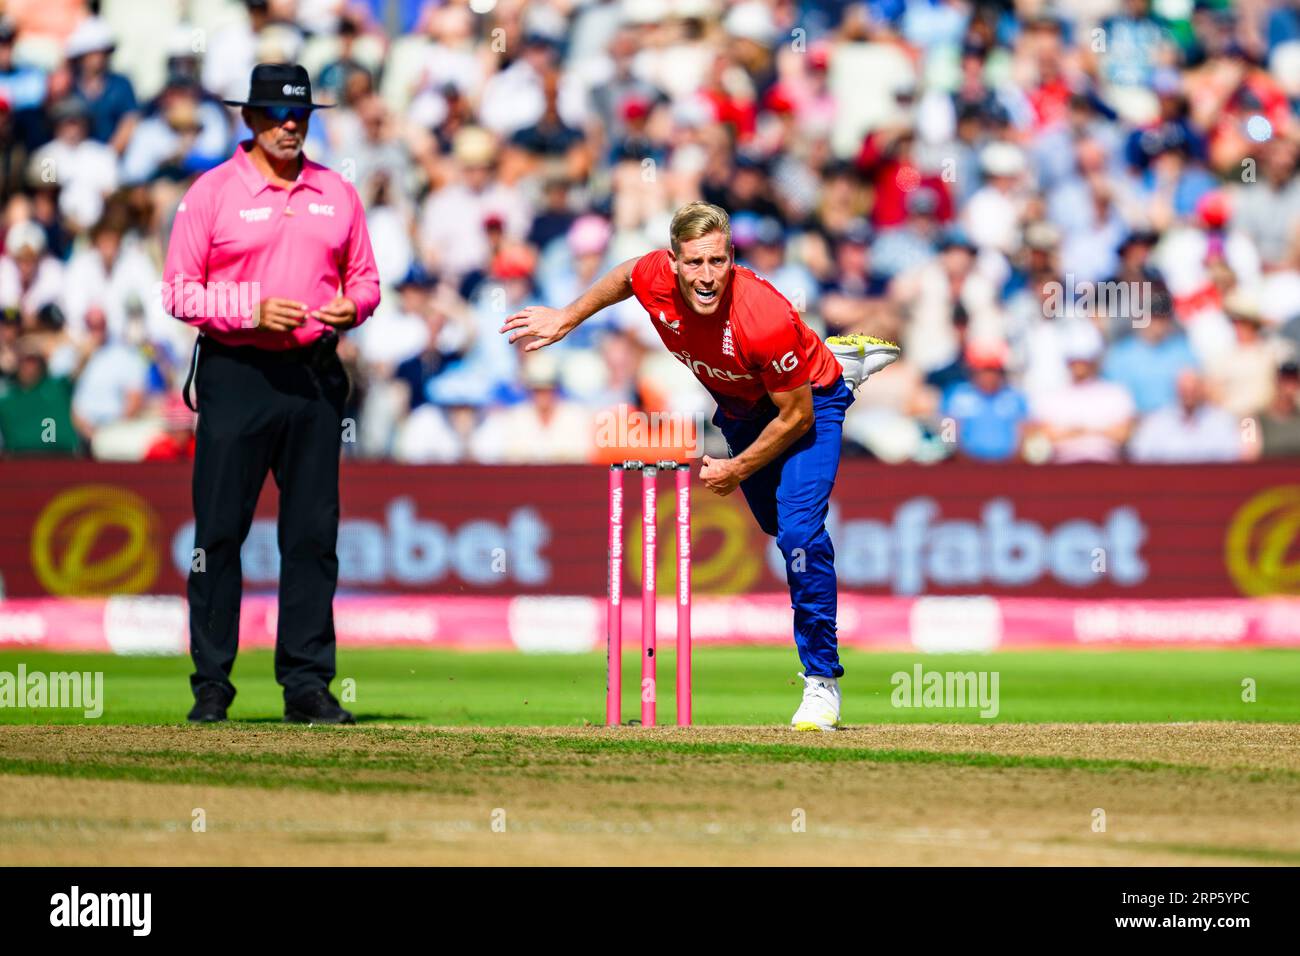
(263, 411)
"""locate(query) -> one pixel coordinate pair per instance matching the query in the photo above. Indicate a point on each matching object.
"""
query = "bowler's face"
(703, 269)
(281, 140)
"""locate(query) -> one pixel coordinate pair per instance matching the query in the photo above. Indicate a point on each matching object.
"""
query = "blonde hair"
(697, 219)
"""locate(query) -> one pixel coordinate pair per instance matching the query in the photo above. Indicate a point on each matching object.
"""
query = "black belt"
(311, 355)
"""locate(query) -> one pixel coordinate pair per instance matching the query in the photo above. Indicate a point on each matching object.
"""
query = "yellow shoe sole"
(806, 726)
(862, 342)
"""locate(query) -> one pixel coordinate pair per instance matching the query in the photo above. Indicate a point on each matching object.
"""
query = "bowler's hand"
(278, 315)
(547, 326)
(340, 313)
(720, 475)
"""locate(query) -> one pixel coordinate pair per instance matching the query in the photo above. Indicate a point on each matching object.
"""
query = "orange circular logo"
(722, 559)
(96, 540)
(1260, 548)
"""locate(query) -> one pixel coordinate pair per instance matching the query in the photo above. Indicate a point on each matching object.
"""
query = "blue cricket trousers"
(790, 497)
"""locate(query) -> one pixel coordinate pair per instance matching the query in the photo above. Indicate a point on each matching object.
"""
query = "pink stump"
(614, 602)
(684, 595)
(648, 515)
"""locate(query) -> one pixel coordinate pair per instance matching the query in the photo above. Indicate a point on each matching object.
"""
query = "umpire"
(270, 259)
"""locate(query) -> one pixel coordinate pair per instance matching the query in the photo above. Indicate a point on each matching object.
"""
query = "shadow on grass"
(361, 719)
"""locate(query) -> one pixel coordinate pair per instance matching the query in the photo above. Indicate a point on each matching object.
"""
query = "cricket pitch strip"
(980, 795)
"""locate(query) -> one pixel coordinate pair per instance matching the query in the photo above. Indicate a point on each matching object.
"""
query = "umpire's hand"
(279, 315)
(340, 312)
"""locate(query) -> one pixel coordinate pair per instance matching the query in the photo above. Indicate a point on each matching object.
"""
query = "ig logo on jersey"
(786, 363)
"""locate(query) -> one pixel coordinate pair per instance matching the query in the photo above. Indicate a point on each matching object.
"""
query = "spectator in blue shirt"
(1148, 360)
(1283, 25)
(22, 97)
(113, 109)
(21, 85)
(989, 414)
(1136, 41)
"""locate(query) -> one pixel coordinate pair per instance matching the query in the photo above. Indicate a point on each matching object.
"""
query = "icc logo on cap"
(291, 90)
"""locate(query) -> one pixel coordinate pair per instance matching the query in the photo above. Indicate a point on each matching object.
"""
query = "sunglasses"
(282, 114)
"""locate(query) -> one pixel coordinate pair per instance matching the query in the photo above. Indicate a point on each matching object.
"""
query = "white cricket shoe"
(820, 709)
(861, 356)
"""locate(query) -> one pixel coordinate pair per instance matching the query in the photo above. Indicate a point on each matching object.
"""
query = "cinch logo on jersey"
(697, 365)
(259, 214)
(73, 909)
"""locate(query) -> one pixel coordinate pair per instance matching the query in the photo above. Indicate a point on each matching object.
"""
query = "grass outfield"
(483, 758)
(733, 686)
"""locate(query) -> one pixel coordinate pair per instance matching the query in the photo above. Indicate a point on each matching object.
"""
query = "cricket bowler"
(781, 393)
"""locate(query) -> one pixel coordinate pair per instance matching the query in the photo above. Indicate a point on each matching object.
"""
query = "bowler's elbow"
(799, 418)
(803, 422)
(795, 409)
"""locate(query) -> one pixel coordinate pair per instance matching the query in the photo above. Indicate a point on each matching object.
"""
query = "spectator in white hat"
(29, 277)
(1088, 420)
(994, 214)
(546, 428)
(85, 168)
(109, 97)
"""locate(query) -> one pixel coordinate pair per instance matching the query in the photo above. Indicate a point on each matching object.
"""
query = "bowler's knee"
(800, 540)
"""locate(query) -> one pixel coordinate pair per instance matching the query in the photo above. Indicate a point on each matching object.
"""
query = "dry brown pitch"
(1213, 793)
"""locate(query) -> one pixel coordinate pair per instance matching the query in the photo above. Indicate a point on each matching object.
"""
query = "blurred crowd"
(1080, 219)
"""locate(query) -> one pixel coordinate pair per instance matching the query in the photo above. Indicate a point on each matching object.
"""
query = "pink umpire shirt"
(237, 239)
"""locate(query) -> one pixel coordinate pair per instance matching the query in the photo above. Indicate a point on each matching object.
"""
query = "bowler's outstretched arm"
(550, 325)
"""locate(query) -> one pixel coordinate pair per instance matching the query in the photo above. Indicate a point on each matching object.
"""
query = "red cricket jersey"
(754, 344)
